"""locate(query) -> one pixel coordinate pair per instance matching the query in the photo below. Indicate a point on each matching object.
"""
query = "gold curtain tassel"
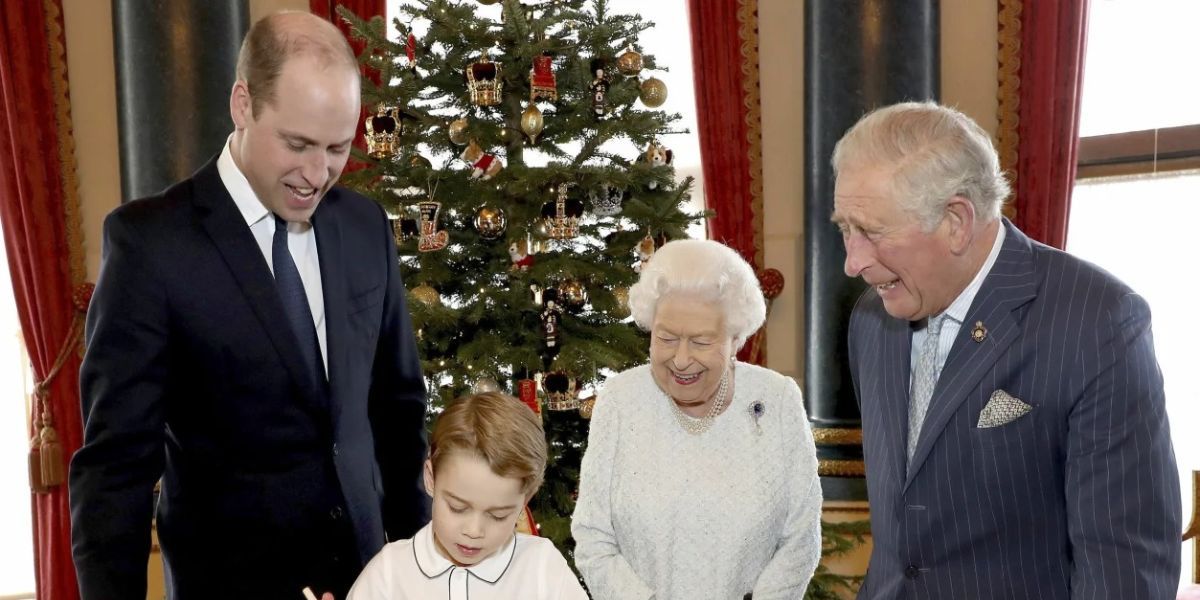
(53, 468)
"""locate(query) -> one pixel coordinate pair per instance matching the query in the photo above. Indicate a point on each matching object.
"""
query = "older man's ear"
(960, 218)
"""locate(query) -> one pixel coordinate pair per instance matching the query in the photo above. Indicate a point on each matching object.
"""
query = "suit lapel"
(227, 229)
(328, 230)
(897, 347)
(1007, 289)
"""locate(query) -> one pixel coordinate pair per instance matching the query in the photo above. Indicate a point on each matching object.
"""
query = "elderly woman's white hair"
(706, 269)
(935, 152)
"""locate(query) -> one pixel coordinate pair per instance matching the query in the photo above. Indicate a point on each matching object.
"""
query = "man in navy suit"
(1014, 424)
(249, 344)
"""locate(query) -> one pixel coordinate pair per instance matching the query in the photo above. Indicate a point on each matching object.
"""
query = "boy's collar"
(433, 565)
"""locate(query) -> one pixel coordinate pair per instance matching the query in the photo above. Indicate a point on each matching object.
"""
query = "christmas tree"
(519, 149)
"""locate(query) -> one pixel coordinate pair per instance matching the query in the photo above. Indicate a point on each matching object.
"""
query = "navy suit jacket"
(192, 374)
(1079, 498)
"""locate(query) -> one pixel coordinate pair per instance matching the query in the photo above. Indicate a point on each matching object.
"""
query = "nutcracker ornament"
(599, 87)
(551, 316)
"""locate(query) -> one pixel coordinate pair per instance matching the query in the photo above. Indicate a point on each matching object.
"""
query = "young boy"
(487, 458)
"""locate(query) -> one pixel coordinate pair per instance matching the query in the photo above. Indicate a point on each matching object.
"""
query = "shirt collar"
(433, 565)
(235, 181)
(958, 309)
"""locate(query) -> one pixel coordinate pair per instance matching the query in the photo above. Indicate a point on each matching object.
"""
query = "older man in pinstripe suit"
(1014, 424)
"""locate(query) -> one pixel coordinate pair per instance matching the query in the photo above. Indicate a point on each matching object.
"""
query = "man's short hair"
(281, 36)
(497, 428)
(935, 153)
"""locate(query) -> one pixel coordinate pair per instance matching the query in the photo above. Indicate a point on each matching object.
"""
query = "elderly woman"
(700, 478)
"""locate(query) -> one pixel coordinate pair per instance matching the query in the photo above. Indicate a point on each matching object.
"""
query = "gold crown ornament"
(383, 132)
(560, 391)
(484, 82)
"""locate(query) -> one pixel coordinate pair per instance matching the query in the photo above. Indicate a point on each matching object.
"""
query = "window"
(16, 545)
(1138, 193)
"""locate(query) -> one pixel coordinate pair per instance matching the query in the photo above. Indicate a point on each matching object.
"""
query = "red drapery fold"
(1041, 54)
(725, 68)
(39, 212)
(365, 9)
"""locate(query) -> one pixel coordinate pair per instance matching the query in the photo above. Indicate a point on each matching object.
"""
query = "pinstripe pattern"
(1077, 499)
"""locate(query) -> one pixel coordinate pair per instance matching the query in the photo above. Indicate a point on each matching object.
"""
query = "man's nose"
(858, 255)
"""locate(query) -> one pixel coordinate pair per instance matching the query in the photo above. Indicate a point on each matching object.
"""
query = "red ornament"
(527, 392)
(771, 282)
(542, 83)
(410, 49)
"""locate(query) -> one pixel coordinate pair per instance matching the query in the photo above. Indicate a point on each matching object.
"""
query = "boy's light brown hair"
(497, 428)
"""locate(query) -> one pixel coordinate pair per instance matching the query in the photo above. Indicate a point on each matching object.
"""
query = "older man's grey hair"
(705, 269)
(934, 152)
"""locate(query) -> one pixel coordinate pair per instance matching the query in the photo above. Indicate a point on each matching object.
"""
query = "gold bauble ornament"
(541, 229)
(425, 294)
(416, 160)
(654, 92)
(621, 294)
(629, 63)
(490, 222)
(531, 122)
(585, 407)
(458, 132)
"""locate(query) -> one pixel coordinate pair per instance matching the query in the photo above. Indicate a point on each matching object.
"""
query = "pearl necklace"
(696, 426)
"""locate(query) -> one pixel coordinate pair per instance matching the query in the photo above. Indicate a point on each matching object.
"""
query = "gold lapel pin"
(979, 332)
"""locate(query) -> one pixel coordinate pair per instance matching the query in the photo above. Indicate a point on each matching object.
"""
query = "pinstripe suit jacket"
(1077, 499)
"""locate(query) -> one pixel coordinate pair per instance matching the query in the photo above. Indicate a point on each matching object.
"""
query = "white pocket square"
(1003, 408)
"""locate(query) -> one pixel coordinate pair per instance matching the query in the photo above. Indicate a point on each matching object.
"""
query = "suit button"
(335, 450)
(912, 572)
(336, 513)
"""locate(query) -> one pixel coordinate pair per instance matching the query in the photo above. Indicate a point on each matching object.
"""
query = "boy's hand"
(308, 595)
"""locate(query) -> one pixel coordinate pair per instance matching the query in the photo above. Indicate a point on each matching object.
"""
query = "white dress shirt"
(528, 568)
(302, 242)
(956, 312)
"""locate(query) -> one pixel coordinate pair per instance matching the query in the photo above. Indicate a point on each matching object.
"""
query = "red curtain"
(725, 71)
(1049, 38)
(365, 9)
(39, 212)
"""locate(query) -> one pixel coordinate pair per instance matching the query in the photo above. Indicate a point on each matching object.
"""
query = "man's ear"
(429, 477)
(241, 106)
(960, 218)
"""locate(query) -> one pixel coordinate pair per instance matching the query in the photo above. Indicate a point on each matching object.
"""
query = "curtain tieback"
(47, 467)
(771, 282)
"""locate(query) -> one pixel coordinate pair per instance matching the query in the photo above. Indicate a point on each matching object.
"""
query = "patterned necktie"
(295, 302)
(924, 380)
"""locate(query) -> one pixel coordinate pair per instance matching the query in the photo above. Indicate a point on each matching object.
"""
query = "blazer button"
(912, 572)
(336, 513)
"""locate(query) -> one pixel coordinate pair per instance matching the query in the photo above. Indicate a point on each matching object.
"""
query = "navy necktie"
(295, 302)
